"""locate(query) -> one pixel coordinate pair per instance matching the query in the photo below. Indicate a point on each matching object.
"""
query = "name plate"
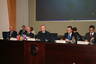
(60, 41)
(82, 42)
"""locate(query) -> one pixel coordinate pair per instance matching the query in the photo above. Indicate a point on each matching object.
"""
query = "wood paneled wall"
(12, 12)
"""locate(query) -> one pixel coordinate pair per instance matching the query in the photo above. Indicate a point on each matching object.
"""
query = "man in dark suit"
(12, 32)
(69, 35)
(23, 30)
(43, 34)
(91, 35)
(28, 32)
(78, 36)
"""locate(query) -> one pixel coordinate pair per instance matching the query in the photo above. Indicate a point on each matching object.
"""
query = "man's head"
(74, 29)
(31, 28)
(23, 27)
(42, 28)
(92, 28)
(28, 29)
(69, 29)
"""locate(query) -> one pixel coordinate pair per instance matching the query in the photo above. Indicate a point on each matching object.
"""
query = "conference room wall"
(22, 13)
(57, 26)
(4, 19)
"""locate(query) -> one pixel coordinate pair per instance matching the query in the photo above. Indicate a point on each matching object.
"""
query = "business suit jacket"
(21, 32)
(12, 34)
(78, 36)
(31, 35)
(43, 36)
(88, 37)
(66, 36)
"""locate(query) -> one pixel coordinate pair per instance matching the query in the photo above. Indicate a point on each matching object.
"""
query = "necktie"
(91, 35)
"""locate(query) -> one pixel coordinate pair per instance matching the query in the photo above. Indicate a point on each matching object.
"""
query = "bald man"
(43, 34)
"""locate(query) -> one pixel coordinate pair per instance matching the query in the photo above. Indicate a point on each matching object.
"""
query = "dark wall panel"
(65, 10)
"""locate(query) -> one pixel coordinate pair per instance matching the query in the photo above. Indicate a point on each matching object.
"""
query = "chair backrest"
(5, 35)
(54, 36)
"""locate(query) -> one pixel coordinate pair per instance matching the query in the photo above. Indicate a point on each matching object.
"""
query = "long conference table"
(33, 52)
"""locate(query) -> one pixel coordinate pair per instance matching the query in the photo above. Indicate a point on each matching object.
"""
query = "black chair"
(5, 35)
(54, 36)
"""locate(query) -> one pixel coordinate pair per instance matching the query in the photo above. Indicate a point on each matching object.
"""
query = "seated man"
(43, 34)
(28, 32)
(32, 30)
(23, 30)
(91, 35)
(69, 36)
(78, 36)
(12, 32)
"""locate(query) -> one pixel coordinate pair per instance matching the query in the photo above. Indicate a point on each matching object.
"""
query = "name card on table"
(60, 41)
(82, 42)
(31, 39)
(14, 39)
